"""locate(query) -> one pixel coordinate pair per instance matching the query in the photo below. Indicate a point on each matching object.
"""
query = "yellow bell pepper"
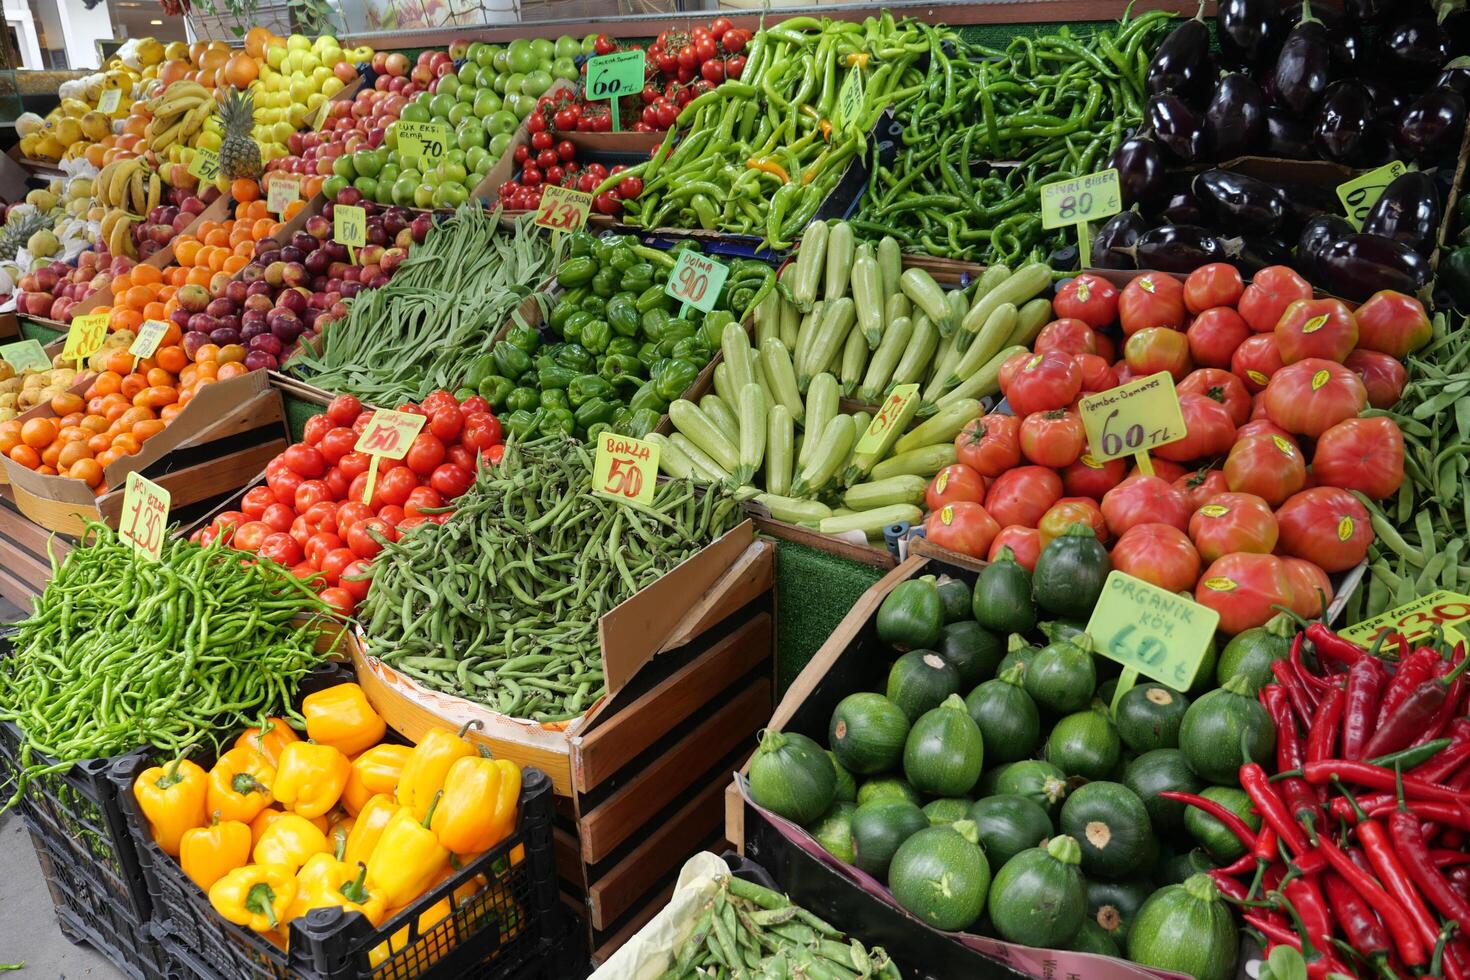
(369, 828)
(431, 952)
(478, 809)
(427, 766)
(407, 859)
(325, 882)
(341, 717)
(257, 896)
(375, 771)
(207, 854)
(290, 840)
(173, 800)
(270, 815)
(310, 778)
(240, 785)
(339, 830)
(269, 740)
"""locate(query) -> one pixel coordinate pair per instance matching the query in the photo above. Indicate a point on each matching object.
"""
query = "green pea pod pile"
(123, 652)
(1055, 105)
(500, 603)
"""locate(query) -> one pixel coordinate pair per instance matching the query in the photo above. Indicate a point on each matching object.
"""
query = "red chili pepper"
(1443, 763)
(1333, 647)
(1273, 931)
(1359, 922)
(1306, 896)
(1296, 692)
(1414, 669)
(1364, 687)
(1459, 880)
(1228, 886)
(1228, 817)
(1290, 754)
(1317, 953)
(1376, 777)
(1315, 686)
(1453, 698)
(1403, 829)
(1273, 812)
(1446, 813)
(1246, 862)
(1395, 917)
(1322, 733)
(1416, 712)
(1396, 880)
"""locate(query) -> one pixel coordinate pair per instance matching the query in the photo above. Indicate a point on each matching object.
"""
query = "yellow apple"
(331, 86)
(298, 42)
(274, 55)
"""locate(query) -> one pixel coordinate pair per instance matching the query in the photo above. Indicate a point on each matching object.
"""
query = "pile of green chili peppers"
(1050, 107)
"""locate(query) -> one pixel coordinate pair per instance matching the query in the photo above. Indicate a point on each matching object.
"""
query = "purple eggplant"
(1238, 203)
(1120, 232)
(1343, 122)
(1317, 234)
(1367, 11)
(1182, 63)
(1432, 126)
(1408, 211)
(1344, 36)
(1178, 127)
(1287, 136)
(1357, 266)
(1415, 47)
(1235, 122)
(1182, 208)
(1455, 77)
(1257, 253)
(1180, 248)
(1388, 102)
(1140, 166)
(1249, 30)
(1304, 64)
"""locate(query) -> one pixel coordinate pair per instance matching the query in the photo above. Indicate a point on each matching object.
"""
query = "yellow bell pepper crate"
(395, 861)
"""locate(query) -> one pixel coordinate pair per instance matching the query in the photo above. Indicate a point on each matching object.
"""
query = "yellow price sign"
(111, 99)
(283, 191)
(146, 343)
(85, 337)
(1080, 200)
(1151, 631)
(563, 209)
(1414, 620)
(144, 519)
(429, 140)
(1360, 194)
(25, 355)
(893, 412)
(1132, 418)
(387, 435)
(204, 165)
(349, 225)
(322, 112)
(625, 469)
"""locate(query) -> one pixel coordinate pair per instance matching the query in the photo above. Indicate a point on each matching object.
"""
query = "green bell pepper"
(647, 396)
(527, 380)
(555, 398)
(585, 387)
(581, 243)
(479, 369)
(714, 325)
(496, 390)
(677, 375)
(653, 323)
(576, 357)
(622, 258)
(460, 394)
(620, 366)
(690, 349)
(594, 305)
(575, 324)
(596, 335)
(524, 424)
(550, 374)
(620, 417)
(654, 298)
(576, 272)
(637, 278)
(596, 429)
(510, 360)
(602, 249)
(557, 318)
(623, 316)
(524, 337)
(605, 283)
(623, 345)
(523, 399)
(557, 420)
(644, 421)
(648, 356)
(593, 411)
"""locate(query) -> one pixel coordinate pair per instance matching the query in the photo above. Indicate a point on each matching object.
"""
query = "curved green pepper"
(676, 377)
(623, 345)
(496, 390)
(555, 398)
(550, 374)
(714, 325)
(637, 278)
(644, 421)
(647, 396)
(479, 369)
(524, 424)
(576, 272)
(620, 417)
(620, 366)
(585, 387)
(654, 298)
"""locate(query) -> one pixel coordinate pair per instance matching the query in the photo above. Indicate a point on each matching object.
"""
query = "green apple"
(368, 163)
(521, 56)
(413, 112)
(502, 123)
(449, 171)
(343, 166)
(476, 51)
(403, 189)
(450, 85)
(454, 154)
(499, 59)
(368, 186)
(513, 82)
(334, 185)
(423, 196)
(469, 74)
(452, 195)
(389, 174)
(564, 68)
(499, 143)
(499, 83)
(486, 103)
(458, 113)
(474, 156)
(536, 83)
(543, 49)
(567, 47)
(440, 105)
(467, 95)
(472, 134)
(589, 44)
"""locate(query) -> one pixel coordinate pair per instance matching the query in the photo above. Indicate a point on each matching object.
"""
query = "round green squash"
(954, 598)
(1070, 573)
(1085, 744)
(1018, 651)
(1250, 653)
(1148, 717)
(867, 733)
(1214, 727)
(792, 776)
(878, 828)
(1110, 824)
(846, 791)
(911, 616)
(1187, 928)
(944, 753)
(948, 809)
(1038, 781)
(887, 788)
(1002, 597)
(1039, 897)
(919, 680)
(834, 831)
(1217, 839)
(1008, 719)
(1114, 904)
(972, 650)
(1158, 771)
(1178, 868)
(941, 876)
(1062, 677)
(1093, 938)
(1010, 824)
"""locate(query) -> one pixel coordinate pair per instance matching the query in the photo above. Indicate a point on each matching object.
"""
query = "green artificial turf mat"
(814, 590)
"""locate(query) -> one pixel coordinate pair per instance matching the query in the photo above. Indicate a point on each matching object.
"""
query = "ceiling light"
(156, 23)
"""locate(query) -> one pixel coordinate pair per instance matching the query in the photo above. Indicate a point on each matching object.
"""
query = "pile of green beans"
(1420, 534)
(500, 603)
(749, 930)
(1055, 106)
(441, 310)
(760, 155)
(123, 652)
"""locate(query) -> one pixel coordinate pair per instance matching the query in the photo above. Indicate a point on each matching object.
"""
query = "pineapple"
(18, 230)
(239, 155)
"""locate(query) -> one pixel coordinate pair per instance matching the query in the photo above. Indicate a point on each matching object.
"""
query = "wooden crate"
(26, 568)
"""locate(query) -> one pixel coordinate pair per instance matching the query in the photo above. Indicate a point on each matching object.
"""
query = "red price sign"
(1414, 620)
(144, 515)
(625, 468)
(563, 209)
(697, 280)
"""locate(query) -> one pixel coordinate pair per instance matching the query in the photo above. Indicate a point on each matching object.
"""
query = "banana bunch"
(129, 185)
(117, 233)
(178, 114)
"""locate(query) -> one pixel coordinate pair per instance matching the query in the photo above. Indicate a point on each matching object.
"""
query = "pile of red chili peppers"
(1361, 861)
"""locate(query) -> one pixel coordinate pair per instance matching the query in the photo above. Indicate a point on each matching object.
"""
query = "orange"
(38, 432)
(100, 441)
(217, 236)
(115, 412)
(94, 423)
(258, 210)
(185, 250)
(262, 228)
(312, 186)
(241, 70)
(168, 412)
(244, 189)
(234, 263)
(172, 71)
(146, 275)
(133, 384)
(126, 320)
(108, 382)
(25, 456)
(127, 444)
(119, 361)
(120, 284)
(217, 260)
(9, 439)
(214, 59)
(158, 376)
(171, 358)
(73, 452)
(147, 429)
(154, 311)
(107, 457)
(51, 455)
(199, 275)
(245, 250)
(230, 353)
(206, 352)
(66, 403)
(88, 470)
(204, 369)
(293, 209)
(233, 369)
(71, 433)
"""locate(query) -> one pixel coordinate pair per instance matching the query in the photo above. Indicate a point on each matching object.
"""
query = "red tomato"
(451, 480)
(1209, 430)
(279, 517)
(1366, 455)
(1070, 336)
(334, 561)
(1223, 387)
(1322, 328)
(336, 482)
(1089, 478)
(1054, 438)
(256, 500)
(281, 548)
(250, 535)
(395, 484)
(283, 482)
(963, 527)
(359, 488)
(357, 579)
(363, 538)
(425, 453)
(1383, 377)
(1011, 366)
(496, 453)
(437, 401)
(462, 456)
(990, 445)
(310, 492)
(1155, 349)
(350, 512)
(393, 514)
(1201, 485)
(1089, 298)
(955, 483)
(362, 422)
(1024, 544)
(1214, 335)
(318, 545)
(1243, 588)
(1153, 299)
(447, 422)
(1046, 381)
(1271, 291)
(1164, 469)
(1216, 284)
(420, 498)
(1068, 511)
(336, 443)
(1393, 324)
(1022, 495)
(408, 523)
(354, 464)
(1233, 522)
(1144, 500)
(322, 516)
(301, 531)
(1160, 554)
(481, 431)
(1256, 360)
(1097, 373)
(1311, 396)
(1271, 467)
(344, 409)
(340, 601)
(473, 404)
(1327, 526)
(307, 574)
(316, 427)
(1263, 427)
(1311, 589)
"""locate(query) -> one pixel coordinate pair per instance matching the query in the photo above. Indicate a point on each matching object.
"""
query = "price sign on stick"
(111, 99)
(144, 515)
(612, 76)
(893, 411)
(204, 165)
(1414, 620)
(563, 209)
(1080, 200)
(1150, 631)
(387, 436)
(282, 192)
(85, 337)
(146, 343)
(850, 99)
(349, 227)
(427, 140)
(1360, 194)
(625, 469)
(696, 280)
(1133, 418)
(25, 354)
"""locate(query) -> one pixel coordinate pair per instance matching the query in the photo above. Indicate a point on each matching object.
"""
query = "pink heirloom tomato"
(990, 445)
(1213, 285)
(1145, 500)
(1310, 586)
(1055, 438)
(1392, 323)
(1071, 336)
(1256, 360)
(1087, 297)
(1243, 588)
(1223, 387)
(1326, 526)
(1155, 349)
(1068, 511)
(1157, 553)
(1089, 478)
(1269, 466)
(1233, 522)
(1366, 455)
(1023, 542)
(1023, 495)
(953, 484)
(1209, 430)
(1271, 291)
(964, 527)
(1097, 373)
(1201, 485)
(1311, 396)
(1214, 335)
(1154, 299)
(1044, 382)
(1383, 377)
(1322, 328)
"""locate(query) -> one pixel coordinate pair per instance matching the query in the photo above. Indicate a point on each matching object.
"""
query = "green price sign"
(1413, 620)
(111, 99)
(1089, 198)
(613, 75)
(850, 98)
(696, 280)
(429, 140)
(27, 354)
(1360, 194)
(349, 225)
(1132, 418)
(895, 412)
(1151, 631)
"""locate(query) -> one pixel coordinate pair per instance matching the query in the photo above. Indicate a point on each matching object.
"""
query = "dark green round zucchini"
(867, 733)
(1061, 678)
(793, 776)
(1010, 824)
(1148, 717)
(878, 827)
(1009, 721)
(1113, 904)
(1251, 652)
(1111, 826)
(948, 809)
(1039, 897)
(944, 753)
(972, 649)
(954, 598)
(1041, 782)
(846, 790)
(1092, 938)
(1002, 598)
(887, 788)
(1156, 772)
(1070, 573)
(1186, 928)
(1218, 726)
(911, 615)
(941, 876)
(919, 680)
(1217, 840)
(834, 831)
(1085, 744)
